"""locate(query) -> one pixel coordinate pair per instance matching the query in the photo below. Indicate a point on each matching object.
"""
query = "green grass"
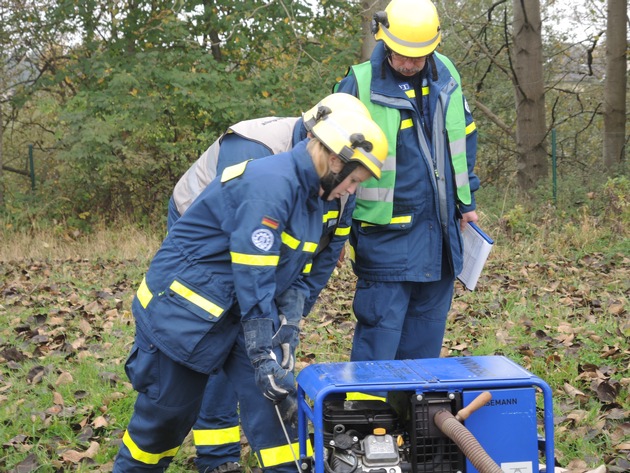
(553, 298)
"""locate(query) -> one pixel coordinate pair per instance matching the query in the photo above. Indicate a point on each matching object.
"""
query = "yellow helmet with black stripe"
(339, 102)
(353, 137)
(408, 27)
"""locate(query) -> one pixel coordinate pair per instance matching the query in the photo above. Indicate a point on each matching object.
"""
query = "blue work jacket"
(411, 247)
(337, 218)
(245, 239)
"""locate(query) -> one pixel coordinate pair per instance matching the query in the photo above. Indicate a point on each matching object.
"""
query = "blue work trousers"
(168, 402)
(216, 431)
(400, 320)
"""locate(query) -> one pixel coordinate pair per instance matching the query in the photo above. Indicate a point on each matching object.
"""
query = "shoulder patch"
(466, 105)
(262, 239)
(236, 170)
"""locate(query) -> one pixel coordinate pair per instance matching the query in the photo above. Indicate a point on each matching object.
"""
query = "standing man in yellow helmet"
(406, 245)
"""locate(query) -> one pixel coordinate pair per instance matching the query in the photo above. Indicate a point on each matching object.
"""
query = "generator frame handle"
(320, 380)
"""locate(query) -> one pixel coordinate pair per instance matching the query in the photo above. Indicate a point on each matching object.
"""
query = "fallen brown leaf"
(99, 422)
(58, 398)
(575, 393)
(74, 456)
(64, 378)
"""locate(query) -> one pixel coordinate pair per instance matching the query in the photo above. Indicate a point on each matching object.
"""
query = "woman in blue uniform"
(216, 432)
(207, 301)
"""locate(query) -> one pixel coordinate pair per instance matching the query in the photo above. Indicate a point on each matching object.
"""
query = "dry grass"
(553, 297)
(123, 243)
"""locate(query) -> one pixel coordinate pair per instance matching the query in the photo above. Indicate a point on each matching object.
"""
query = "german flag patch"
(270, 222)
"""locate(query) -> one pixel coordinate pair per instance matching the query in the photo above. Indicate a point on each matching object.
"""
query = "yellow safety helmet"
(333, 103)
(353, 137)
(408, 27)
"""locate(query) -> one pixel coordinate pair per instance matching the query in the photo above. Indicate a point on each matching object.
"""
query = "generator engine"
(355, 432)
(390, 437)
(361, 436)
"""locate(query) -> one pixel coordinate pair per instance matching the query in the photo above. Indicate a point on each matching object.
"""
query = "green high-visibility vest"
(375, 198)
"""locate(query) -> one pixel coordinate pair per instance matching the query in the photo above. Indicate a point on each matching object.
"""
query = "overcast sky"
(579, 19)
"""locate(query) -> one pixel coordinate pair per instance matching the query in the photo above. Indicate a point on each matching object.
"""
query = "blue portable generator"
(353, 433)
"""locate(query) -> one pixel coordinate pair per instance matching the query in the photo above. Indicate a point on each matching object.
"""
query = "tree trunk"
(369, 7)
(531, 128)
(615, 89)
(1, 159)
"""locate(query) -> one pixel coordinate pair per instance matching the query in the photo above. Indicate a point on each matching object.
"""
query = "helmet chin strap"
(333, 179)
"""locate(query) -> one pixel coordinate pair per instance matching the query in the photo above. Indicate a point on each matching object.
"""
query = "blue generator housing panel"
(506, 427)
(346, 409)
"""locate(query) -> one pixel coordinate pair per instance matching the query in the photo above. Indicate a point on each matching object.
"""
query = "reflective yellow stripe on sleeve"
(342, 231)
(145, 457)
(144, 294)
(273, 456)
(307, 268)
(470, 128)
(217, 436)
(309, 247)
(254, 260)
(199, 301)
(294, 243)
(290, 241)
(330, 215)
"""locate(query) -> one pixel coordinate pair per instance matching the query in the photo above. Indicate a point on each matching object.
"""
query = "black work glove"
(275, 382)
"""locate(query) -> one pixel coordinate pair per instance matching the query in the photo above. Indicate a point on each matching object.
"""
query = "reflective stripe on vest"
(457, 131)
(375, 198)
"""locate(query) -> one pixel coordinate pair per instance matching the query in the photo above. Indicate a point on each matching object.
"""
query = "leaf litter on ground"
(68, 328)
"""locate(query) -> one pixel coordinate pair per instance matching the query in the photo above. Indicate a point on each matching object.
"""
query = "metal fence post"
(553, 165)
(31, 166)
